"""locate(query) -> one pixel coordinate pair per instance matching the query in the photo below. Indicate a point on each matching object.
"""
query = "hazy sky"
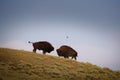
(92, 27)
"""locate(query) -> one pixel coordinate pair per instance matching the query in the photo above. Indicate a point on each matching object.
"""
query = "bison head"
(59, 52)
(51, 49)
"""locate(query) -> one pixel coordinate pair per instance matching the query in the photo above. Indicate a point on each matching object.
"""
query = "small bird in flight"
(67, 37)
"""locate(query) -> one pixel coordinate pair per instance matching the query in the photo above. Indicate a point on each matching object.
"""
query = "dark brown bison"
(42, 45)
(66, 52)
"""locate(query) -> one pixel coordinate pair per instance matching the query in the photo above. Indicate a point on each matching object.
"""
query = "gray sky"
(93, 27)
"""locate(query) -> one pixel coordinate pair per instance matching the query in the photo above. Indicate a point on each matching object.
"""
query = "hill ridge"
(25, 65)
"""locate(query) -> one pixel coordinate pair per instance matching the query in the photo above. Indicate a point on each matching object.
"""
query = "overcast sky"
(92, 27)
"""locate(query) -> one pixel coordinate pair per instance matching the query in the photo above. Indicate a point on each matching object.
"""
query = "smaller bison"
(66, 52)
(42, 45)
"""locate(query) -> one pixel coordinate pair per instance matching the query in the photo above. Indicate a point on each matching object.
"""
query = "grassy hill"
(24, 65)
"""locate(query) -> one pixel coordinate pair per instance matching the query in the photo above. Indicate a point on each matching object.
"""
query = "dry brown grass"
(24, 65)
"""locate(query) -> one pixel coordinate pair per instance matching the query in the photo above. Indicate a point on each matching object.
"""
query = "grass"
(24, 65)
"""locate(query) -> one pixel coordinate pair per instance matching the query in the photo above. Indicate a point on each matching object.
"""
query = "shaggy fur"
(66, 52)
(42, 45)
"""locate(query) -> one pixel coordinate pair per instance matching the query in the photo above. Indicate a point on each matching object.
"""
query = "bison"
(42, 45)
(66, 52)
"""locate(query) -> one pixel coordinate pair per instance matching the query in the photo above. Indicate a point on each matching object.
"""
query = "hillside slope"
(23, 65)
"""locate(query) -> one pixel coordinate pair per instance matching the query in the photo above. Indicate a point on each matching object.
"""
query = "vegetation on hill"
(24, 65)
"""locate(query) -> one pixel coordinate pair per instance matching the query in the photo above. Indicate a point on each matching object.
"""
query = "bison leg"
(74, 57)
(66, 57)
(34, 50)
(44, 52)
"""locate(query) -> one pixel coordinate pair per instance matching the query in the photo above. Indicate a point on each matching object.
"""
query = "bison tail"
(30, 42)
